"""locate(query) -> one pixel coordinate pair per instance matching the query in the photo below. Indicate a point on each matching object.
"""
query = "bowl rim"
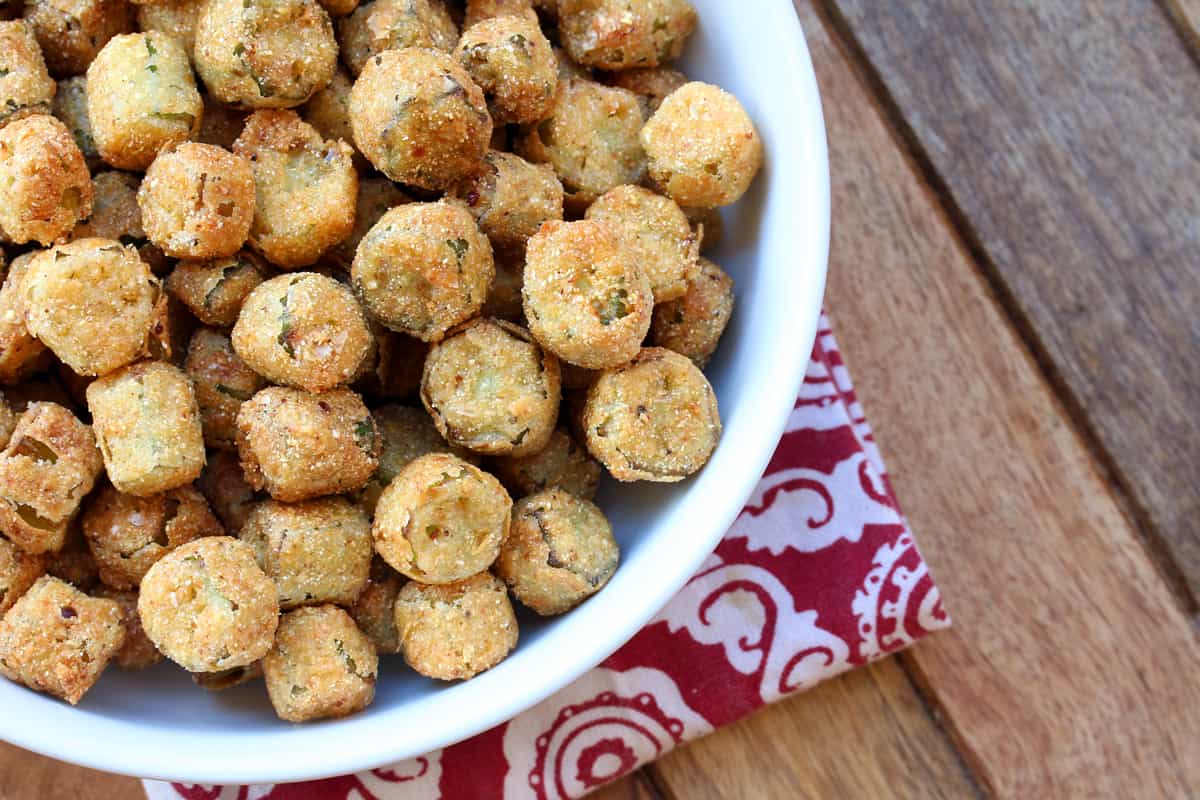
(382, 740)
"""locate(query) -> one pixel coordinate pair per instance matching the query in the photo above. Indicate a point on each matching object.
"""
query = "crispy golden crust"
(491, 389)
(128, 534)
(141, 98)
(561, 464)
(376, 196)
(318, 551)
(701, 146)
(305, 188)
(215, 290)
(419, 118)
(264, 53)
(70, 106)
(177, 18)
(58, 640)
(338, 8)
(586, 298)
(71, 32)
(25, 86)
(423, 268)
(651, 85)
(380, 25)
(18, 571)
(222, 382)
(693, 324)
(375, 609)
(207, 606)
(328, 110)
(479, 10)
(513, 63)
(49, 466)
(115, 212)
(511, 198)
(298, 445)
(147, 424)
(441, 519)
(224, 485)
(616, 34)
(138, 652)
(321, 666)
(654, 419)
(47, 188)
(21, 354)
(228, 678)
(458, 630)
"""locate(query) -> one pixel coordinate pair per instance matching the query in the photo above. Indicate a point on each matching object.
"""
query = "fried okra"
(511, 198)
(479, 10)
(215, 290)
(708, 226)
(222, 382)
(321, 666)
(456, 631)
(587, 299)
(47, 188)
(617, 34)
(115, 212)
(560, 551)
(71, 32)
(441, 519)
(305, 188)
(376, 196)
(491, 389)
(561, 464)
(70, 107)
(221, 125)
(692, 325)
(18, 571)
(74, 562)
(656, 232)
(137, 652)
(176, 18)
(48, 467)
(317, 551)
(701, 146)
(298, 445)
(25, 86)
(423, 268)
(651, 85)
(375, 609)
(147, 424)
(653, 419)
(379, 25)
(224, 679)
(405, 434)
(513, 63)
(590, 138)
(197, 201)
(128, 534)
(224, 484)
(419, 118)
(141, 98)
(328, 111)
(21, 354)
(208, 606)
(58, 640)
(304, 330)
(8, 420)
(264, 53)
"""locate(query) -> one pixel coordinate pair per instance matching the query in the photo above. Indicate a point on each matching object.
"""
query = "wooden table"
(1016, 279)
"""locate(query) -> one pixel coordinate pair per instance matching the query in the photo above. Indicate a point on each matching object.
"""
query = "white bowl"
(158, 724)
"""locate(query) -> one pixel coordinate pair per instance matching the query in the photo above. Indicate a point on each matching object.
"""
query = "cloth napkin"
(818, 575)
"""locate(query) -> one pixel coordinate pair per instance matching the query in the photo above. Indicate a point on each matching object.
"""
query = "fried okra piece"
(25, 86)
(222, 382)
(511, 198)
(692, 325)
(137, 652)
(708, 226)
(617, 34)
(328, 110)
(419, 118)
(224, 679)
(221, 125)
(441, 519)
(214, 290)
(148, 427)
(48, 467)
(491, 389)
(423, 268)
(141, 98)
(74, 562)
(317, 551)
(513, 63)
(321, 666)
(587, 299)
(561, 464)
(18, 571)
(298, 445)
(58, 640)
(590, 139)
(21, 354)
(376, 196)
(197, 201)
(176, 18)
(701, 146)
(375, 609)
(561, 551)
(304, 330)
(653, 419)
(479, 10)
(264, 53)
(71, 32)
(8, 420)
(127, 535)
(224, 484)
(70, 107)
(305, 188)
(657, 233)
(115, 212)
(338, 8)
(47, 188)
(379, 25)
(208, 606)
(405, 434)
(456, 631)
(651, 85)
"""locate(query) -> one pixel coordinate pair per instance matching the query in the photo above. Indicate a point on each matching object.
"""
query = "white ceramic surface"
(158, 724)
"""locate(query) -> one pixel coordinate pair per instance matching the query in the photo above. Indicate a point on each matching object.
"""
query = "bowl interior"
(158, 724)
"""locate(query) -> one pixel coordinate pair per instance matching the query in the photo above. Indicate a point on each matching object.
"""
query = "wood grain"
(28, 776)
(1070, 669)
(1066, 137)
(632, 787)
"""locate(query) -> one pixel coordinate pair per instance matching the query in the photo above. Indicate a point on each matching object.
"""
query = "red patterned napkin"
(818, 575)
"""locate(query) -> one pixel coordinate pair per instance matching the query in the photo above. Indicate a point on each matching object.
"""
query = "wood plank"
(632, 787)
(28, 776)
(1066, 136)
(1069, 670)
(865, 734)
